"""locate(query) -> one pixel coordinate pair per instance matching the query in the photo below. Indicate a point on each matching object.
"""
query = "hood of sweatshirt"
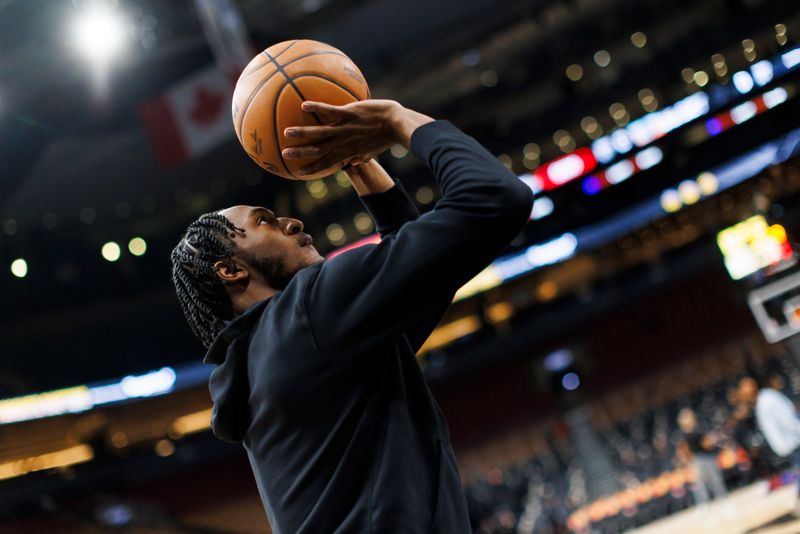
(229, 385)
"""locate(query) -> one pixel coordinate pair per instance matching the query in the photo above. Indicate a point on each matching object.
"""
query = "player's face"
(274, 246)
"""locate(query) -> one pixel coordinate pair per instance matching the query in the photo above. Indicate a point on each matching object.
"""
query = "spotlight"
(99, 33)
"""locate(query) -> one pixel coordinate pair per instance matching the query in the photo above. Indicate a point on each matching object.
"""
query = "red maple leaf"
(206, 107)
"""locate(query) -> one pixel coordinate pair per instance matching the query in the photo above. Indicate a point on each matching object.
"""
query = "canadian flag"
(190, 118)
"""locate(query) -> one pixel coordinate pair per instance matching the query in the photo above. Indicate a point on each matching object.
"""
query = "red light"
(372, 238)
(786, 248)
(761, 106)
(566, 168)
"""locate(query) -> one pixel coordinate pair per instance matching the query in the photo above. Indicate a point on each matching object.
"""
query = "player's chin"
(309, 251)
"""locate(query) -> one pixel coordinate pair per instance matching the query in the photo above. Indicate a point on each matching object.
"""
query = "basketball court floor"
(750, 510)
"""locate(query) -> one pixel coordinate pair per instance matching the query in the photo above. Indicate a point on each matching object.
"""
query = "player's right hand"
(353, 133)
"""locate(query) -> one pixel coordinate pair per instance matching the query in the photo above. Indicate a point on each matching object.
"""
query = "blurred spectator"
(700, 449)
(743, 427)
(776, 415)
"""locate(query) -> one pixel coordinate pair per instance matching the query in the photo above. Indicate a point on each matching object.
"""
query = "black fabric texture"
(321, 383)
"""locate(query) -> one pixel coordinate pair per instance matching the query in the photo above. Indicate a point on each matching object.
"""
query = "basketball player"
(316, 370)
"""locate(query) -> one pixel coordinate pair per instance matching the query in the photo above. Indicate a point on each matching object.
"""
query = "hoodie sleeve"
(390, 210)
(371, 295)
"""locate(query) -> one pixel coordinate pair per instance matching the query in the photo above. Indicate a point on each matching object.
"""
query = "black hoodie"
(320, 382)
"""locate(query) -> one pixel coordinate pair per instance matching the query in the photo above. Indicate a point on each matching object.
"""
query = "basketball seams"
(246, 74)
(322, 77)
(275, 128)
(260, 85)
(291, 81)
(263, 82)
(254, 93)
(250, 99)
(315, 53)
(325, 75)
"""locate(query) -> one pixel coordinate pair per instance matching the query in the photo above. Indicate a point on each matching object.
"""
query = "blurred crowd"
(675, 439)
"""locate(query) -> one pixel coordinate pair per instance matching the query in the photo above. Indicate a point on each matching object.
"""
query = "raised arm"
(386, 200)
(391, 207)
(373, 293)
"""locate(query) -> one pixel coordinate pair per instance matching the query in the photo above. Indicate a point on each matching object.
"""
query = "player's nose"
(291, 226)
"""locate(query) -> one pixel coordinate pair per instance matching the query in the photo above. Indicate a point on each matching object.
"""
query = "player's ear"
(229, 272)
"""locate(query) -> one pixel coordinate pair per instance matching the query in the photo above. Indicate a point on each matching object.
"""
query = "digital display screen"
(752, 245)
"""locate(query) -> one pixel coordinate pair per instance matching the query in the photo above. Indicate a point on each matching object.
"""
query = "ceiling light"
(602, 58)
(110, 251)
(19, 268)
(137, 246)
(99, 33)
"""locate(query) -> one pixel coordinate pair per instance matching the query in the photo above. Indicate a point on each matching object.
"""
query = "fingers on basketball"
(271, 90)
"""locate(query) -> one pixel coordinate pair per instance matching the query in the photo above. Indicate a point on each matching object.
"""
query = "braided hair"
(202, 295)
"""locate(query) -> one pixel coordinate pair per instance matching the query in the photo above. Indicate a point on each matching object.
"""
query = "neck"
(252, 294)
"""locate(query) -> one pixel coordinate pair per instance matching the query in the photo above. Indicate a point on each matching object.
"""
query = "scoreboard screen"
(753, 245)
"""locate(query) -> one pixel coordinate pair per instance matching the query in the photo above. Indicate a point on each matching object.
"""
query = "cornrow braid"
(201, 293)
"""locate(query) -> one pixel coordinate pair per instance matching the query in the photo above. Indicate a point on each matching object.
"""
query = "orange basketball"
(271, 89)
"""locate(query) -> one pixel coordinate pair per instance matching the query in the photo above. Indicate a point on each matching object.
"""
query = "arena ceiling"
(73, 146)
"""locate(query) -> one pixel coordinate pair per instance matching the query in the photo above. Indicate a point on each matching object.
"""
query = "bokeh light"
(110, 251)
(336, 234)
(19, 268)
(137, 246)
(639, 39)
(602, 58)
(570, 381)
